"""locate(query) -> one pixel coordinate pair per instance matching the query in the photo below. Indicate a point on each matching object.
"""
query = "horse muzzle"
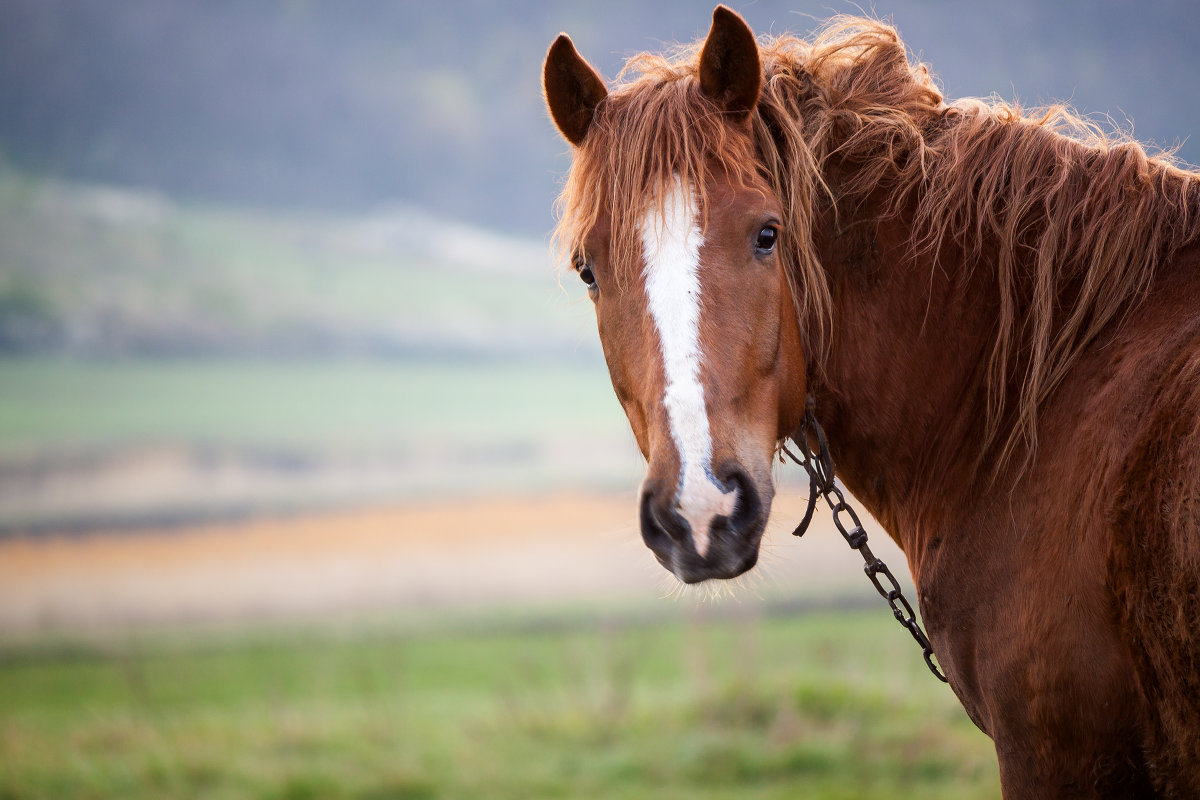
(729, 545)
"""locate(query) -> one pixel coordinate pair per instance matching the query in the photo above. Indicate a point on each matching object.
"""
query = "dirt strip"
(485, 552)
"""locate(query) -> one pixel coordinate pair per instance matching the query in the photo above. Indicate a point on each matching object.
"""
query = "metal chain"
(819, 467)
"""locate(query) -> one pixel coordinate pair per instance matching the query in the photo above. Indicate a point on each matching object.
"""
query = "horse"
(992, 312)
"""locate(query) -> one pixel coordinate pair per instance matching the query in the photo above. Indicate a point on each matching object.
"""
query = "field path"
(489, 553)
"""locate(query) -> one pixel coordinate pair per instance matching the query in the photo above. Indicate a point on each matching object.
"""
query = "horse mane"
(1074, 220)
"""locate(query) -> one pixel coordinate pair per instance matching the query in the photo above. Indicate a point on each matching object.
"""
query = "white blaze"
(671, 242)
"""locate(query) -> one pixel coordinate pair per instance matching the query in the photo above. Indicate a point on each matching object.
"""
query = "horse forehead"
(671, 239)
(671, 215)
(730, 211)
(677, 229)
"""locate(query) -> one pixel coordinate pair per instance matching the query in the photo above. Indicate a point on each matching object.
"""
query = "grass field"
(101, 441)
(833, 705)
(309, 404)
(170, 360)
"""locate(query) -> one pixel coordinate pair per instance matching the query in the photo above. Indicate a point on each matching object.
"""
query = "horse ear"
(730, 72)
(573, 89)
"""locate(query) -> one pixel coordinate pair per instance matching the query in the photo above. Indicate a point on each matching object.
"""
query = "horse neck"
(901, 391)
(904, 391)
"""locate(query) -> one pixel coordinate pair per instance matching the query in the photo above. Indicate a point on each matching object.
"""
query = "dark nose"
(748, 511)
(663, 529)
(733, 540)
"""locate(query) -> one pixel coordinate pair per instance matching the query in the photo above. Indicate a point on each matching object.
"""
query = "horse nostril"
(748, 507)
(660, 524)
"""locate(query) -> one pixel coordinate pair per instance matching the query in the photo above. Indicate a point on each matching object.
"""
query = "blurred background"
(312, 483)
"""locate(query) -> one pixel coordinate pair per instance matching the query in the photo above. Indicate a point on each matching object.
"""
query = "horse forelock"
(655, 130)
(1052, 203)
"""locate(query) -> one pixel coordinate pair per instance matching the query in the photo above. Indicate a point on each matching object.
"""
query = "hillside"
(168, 362)
(92, 270)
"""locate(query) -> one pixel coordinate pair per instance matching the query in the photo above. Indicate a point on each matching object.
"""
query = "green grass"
(300, 404)
(835, 705)
(433, 428)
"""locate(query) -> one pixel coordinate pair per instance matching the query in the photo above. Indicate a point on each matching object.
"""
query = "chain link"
(819, 467)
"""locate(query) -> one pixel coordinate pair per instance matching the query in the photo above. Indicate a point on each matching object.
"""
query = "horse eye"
(765, 242)
(583, 266)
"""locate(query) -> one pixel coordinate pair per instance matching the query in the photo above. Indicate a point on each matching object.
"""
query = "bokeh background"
(311, 480)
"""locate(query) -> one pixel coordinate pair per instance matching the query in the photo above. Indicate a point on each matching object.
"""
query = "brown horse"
(998, 317)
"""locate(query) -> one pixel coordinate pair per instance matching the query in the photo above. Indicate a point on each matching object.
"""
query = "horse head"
(678, 234)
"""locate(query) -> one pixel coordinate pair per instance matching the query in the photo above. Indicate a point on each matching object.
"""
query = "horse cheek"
(622, 339)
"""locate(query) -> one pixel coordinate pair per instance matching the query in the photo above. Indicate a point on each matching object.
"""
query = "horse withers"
(997, 316)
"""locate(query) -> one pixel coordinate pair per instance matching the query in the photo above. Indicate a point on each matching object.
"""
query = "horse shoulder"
(1095, 574)
(1154, 567)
